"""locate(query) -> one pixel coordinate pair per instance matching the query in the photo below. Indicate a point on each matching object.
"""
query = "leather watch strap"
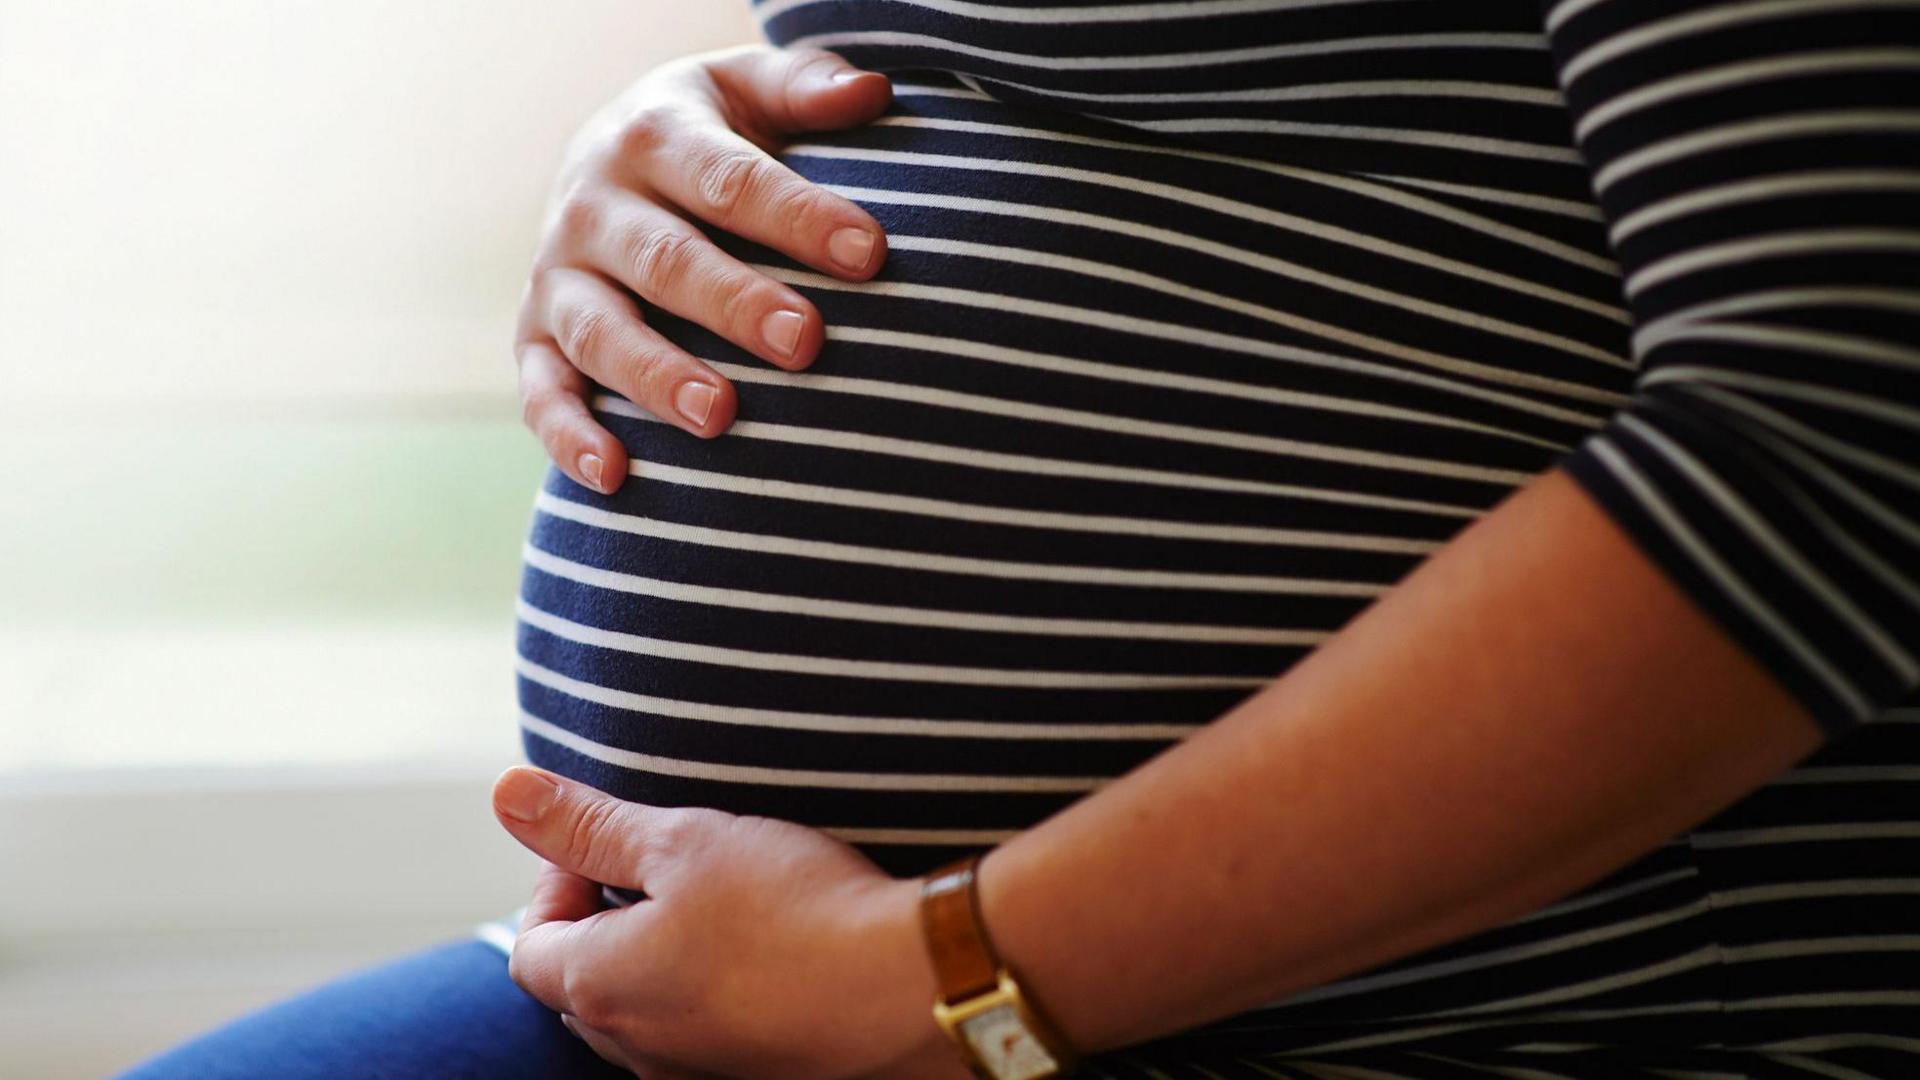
(964, 963)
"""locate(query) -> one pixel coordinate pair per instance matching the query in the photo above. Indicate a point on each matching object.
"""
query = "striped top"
(1203, 323)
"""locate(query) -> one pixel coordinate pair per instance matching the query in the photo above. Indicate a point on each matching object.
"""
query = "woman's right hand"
(691, 140)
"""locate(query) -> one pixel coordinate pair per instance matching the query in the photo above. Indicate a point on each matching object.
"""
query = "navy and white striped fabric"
(1202, 324)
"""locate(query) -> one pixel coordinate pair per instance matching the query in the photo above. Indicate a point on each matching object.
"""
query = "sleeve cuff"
(1762, 548)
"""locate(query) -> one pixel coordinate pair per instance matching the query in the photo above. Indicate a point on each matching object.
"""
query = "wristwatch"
(1001, 1031)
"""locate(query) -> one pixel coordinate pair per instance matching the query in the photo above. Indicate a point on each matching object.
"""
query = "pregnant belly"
(1120, 433)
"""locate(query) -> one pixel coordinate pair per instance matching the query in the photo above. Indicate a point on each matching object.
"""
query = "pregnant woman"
(1395, 523)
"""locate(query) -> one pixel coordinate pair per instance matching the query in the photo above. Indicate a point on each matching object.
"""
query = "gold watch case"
(1001, 1036)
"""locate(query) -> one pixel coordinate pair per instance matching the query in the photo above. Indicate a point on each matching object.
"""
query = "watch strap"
(964, 962)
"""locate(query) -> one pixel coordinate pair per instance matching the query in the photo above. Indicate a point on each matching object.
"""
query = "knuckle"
(647, 376)
(800, 67)
(734, 300)
(728, 181)
(517, 968)
(585, 331)
(683, 76)
(528, 312)
(803, 62)
(547, 267)
(678, 833)
(550, 266)
(659, 256)
(644, 131)
(649, 381)
(533, 405)
(538, 411)
(579, 213)
(813, 216)
(587, 996)
(668, 838)
(590, 834)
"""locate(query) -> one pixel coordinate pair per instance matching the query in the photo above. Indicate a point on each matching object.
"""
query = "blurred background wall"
(262, 484)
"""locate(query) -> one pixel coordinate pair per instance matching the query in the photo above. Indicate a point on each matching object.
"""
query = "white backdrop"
(260, 484)
(290, 198)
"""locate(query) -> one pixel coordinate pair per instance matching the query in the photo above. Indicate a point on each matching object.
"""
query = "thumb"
(577, 828)
(794, 90)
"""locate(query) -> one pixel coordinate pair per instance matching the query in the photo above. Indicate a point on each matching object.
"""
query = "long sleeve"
(1758, 164)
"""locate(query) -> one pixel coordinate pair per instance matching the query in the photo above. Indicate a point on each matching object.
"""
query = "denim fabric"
(448, 1013)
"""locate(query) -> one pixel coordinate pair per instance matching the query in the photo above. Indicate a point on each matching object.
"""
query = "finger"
(543, 948)
(560, 896)
(599, 1043)
(600, 331)
(781, 91)
(553, 404)
(573, 965)
(725, 180)
(569, 954)
(546, 960)
(581, 830)
(668, 262)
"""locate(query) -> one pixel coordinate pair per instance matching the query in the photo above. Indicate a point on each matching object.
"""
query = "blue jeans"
(449, 1012)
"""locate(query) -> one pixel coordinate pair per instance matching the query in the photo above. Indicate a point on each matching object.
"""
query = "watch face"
(1005, 1046)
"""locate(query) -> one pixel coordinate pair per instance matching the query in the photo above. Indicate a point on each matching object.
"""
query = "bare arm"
(1532, 708)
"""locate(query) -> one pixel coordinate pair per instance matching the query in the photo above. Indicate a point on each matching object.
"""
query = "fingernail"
(841, 78)
(782, 331)
(590, 466)
(851, 249)
(523, 794)
(695, 401)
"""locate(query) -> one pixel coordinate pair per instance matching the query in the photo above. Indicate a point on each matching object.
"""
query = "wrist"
(892, 945)
(984, 1004)
(1032, 940)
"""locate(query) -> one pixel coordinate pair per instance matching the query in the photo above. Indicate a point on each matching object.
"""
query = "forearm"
(1533, 707)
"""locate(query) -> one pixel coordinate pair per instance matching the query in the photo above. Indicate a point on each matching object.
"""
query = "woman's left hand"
(762, 949)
